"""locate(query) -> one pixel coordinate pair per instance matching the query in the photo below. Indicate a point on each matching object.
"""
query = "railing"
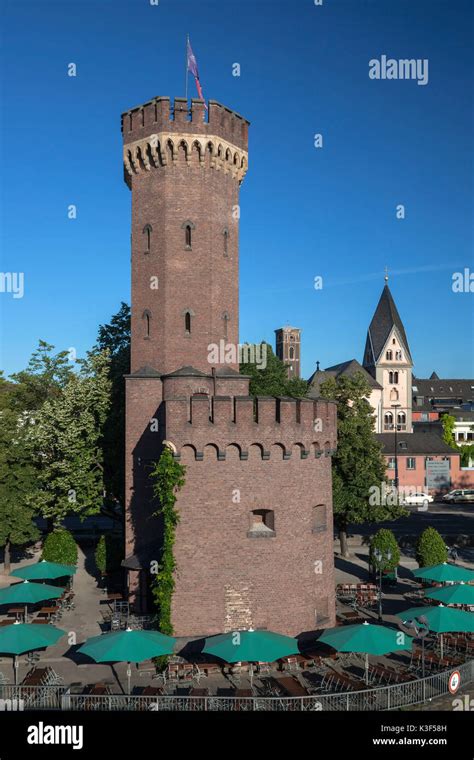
(380, 698)
(31, 697)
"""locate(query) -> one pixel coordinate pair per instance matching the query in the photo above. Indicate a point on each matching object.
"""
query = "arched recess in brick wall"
(327, 446)
(277, 451)
(188, 453)
(233, 452)
(255, 451)
(316, 449)
(211, 451)
(298, 451)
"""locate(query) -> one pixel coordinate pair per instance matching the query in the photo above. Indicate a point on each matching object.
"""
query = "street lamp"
(385, 559)
(395, 426)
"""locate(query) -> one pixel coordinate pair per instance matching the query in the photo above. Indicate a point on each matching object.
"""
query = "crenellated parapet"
(156, 135)
(288, 427)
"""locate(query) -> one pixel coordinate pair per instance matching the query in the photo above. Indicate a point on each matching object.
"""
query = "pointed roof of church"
(385, 318)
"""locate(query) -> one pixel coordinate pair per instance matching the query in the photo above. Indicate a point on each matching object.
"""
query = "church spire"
(386, 318)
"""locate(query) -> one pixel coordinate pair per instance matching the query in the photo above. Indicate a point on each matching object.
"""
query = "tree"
(60, 547)
(384, 541)
(168, 479)
(44, 379)
(115, 338)
(67, 436)
(108, 554)
(358, 465)
(17, 484)
(430, 548)
(272, 380)
(448, 422)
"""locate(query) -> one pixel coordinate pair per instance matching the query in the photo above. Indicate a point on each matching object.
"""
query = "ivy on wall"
(168, 479)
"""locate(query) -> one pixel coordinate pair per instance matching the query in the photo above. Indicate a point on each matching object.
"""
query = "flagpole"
(186, 57)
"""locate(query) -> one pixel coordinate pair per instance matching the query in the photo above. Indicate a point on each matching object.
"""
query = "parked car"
(417, 499)
(465, 496)
(452, 495)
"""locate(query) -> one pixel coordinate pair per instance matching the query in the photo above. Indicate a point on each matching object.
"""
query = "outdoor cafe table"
(292, 687)
(48, 611)
(16, 611)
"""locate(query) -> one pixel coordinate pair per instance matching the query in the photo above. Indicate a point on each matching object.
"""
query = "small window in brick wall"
(262, 523)
(319, 518)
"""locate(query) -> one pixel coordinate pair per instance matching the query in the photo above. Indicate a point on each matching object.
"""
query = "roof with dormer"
(385, 319)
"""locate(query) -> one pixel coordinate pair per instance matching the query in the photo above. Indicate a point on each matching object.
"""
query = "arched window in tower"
(393, 395)
(226, 319)
(146, 316)
(291, 353)
(226, 242)
(389, 355)
(398, 355)
(147, 230)
(388, 420)
(390, 378)
(188, 228)
(187, 323)
(402, 418)
(395, 378)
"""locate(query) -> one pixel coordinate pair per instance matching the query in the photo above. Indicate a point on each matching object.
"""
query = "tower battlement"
(244, 421)
(160, 115)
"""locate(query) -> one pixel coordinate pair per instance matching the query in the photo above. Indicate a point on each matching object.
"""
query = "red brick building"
(254, 545)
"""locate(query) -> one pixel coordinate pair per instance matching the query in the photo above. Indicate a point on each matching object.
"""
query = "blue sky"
(306, 212)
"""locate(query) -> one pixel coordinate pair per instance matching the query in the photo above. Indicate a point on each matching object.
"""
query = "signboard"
(437, 474)
(454, 681)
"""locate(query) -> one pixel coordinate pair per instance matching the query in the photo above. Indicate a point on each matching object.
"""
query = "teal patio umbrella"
(366, 638)
(128, 646)
(456, 593)
(444, 572)
(44, 569)
(25, 637)
(440, 619)
(29, 593)
(250, 646)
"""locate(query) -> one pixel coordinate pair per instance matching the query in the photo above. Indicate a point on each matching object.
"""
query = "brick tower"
(254, 541)
(288, 349)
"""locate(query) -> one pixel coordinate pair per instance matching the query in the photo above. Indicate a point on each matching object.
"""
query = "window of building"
(388, 420)
(147, 230)
(188, 236)
(187, 323)
(394, 394)
(226, 242)
(391, 463)
(319, 518)
(146, 316)
(291, 352)
(425, 417)
(411, 463)
(402, 418)
(188, 228)
(460, 437)
(389, 355)
(398, 355)
(262, 523)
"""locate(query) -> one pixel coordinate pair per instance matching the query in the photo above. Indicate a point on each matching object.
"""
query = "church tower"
(387, 358)
(288, 349)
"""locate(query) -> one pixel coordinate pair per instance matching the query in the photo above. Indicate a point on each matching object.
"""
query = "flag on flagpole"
(192, 67)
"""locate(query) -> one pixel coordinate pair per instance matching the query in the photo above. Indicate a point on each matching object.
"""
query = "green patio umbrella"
(457, 593)
(24, 637)
(440, 619)
(366, 638)
(250, 646)
(44, 569)
(444, 572)
(29, 593)
(128, 646)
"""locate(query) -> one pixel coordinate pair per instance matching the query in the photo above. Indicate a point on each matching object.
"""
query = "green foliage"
(273, 379)
(448, 422)
(108, 554)
(168, 479)
(467, 454)
(358, 464)
(67, 437)
(18, 483)
(115, 338)
(384, 541)
(430, 548)
(44, 379)
(61, 547)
